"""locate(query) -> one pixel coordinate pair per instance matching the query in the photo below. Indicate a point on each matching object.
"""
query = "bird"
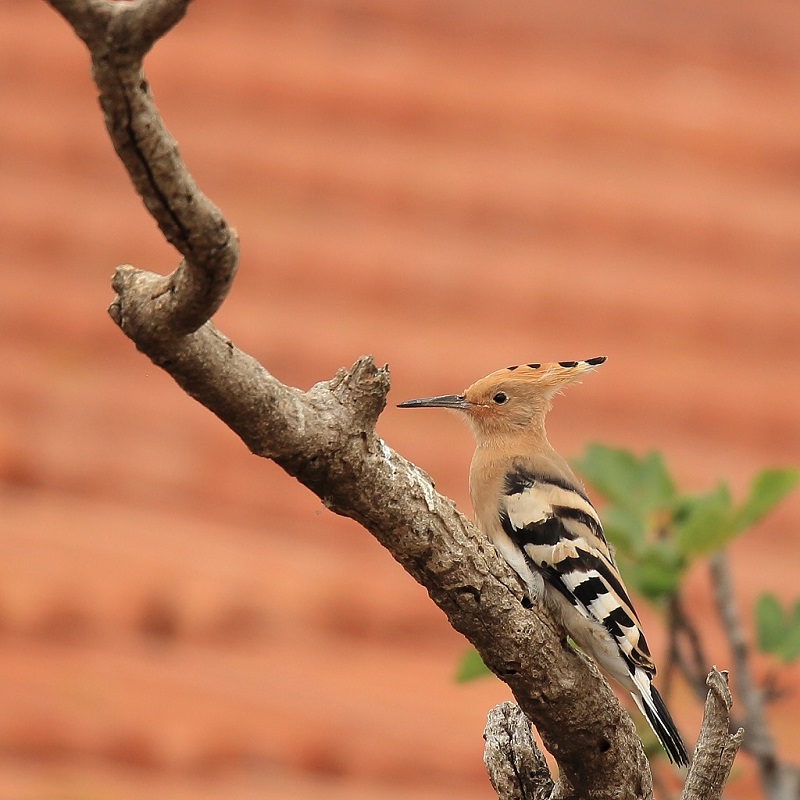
(532, 507)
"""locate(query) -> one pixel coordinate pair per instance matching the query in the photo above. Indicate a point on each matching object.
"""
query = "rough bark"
(716, 747)
(325, 437)
(516, 767)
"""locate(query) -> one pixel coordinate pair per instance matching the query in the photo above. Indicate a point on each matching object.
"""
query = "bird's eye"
(500, 398)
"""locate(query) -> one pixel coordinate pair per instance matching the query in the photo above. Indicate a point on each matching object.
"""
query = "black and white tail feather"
(555, 542)
(653, 708)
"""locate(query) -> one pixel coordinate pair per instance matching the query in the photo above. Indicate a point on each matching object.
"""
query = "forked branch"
(517, 770)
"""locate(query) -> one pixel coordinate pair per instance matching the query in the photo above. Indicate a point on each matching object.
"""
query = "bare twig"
(716, 747)
(681, 627)
(780, 781)
(759, 739)
(684, 637)
(516, 767)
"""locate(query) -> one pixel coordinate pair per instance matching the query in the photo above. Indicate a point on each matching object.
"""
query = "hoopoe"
(533, 508)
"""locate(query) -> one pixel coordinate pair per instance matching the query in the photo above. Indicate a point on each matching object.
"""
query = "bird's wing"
(558, 530)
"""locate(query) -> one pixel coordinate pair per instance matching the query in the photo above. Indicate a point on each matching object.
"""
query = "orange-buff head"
(512, 400)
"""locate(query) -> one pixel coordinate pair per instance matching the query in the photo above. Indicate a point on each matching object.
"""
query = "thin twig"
(693, 665)
(781, 781)
(760, 741)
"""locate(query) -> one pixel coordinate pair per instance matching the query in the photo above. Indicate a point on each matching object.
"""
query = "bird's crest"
(548, 377)
(513, 400)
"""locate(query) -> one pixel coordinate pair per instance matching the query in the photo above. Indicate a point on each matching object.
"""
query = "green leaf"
(640, 485)
(790, 649)
(704, 523)
(609, 470)
(657, 487)
(625, 529)
(471, 667)
(769, 623)
(766, 491)
(776, 632)
(657, 571)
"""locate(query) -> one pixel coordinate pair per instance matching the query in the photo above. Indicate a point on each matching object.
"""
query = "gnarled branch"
(716, 747)
(118, 36)
(517, 770)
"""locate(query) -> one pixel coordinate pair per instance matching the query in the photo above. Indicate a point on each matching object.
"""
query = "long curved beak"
(456, 401)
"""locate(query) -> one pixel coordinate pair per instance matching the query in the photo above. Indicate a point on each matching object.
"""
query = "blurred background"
(452, 187)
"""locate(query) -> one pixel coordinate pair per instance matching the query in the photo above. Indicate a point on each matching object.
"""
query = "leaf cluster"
(658, 531)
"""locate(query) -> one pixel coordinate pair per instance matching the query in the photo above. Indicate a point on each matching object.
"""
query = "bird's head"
(512, 400)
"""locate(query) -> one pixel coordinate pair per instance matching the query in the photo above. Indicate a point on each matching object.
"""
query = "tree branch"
(325, 437)
(516, 767)
(693, 664)
(781, 781)
(716, 748)
(118, 36)
(759, 740)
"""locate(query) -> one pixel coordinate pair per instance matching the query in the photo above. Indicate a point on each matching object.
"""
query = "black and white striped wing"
(559, 531)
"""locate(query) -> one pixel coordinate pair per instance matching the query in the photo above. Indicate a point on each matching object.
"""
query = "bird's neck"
(501, 441)
(497, 455)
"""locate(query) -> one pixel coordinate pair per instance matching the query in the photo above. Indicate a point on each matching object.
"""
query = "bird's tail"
(652, 706)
